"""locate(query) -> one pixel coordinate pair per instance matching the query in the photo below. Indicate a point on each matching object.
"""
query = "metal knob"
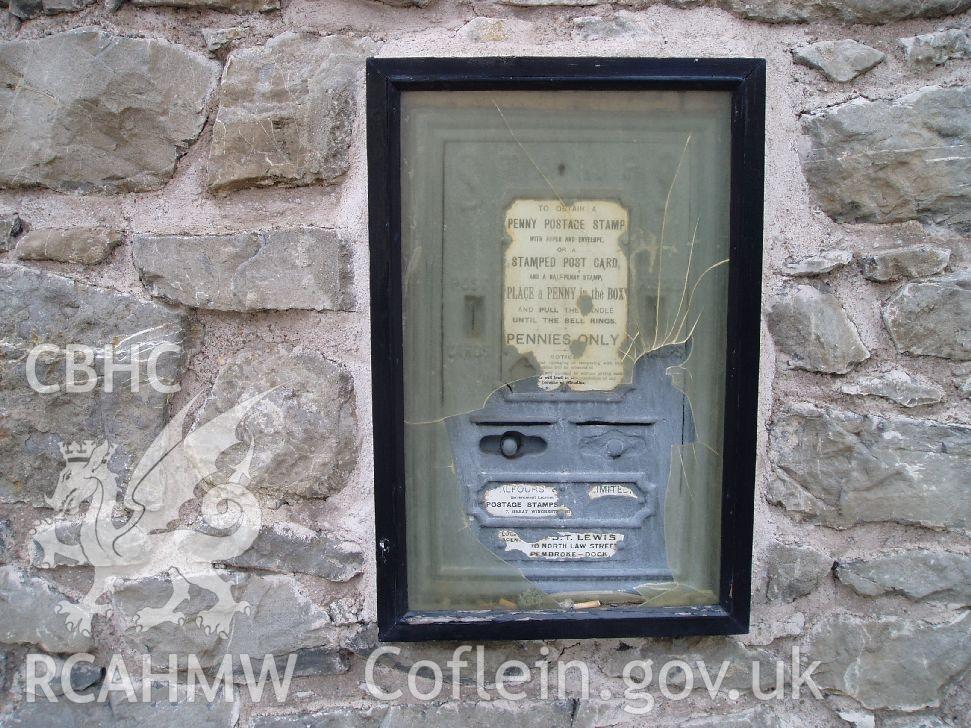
(509, 445)
(615, 448)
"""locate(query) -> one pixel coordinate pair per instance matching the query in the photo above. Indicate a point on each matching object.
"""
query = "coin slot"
(518, 422)
(616, 422)
(474, 316)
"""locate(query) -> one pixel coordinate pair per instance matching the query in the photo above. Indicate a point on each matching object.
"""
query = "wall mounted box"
(565, 300)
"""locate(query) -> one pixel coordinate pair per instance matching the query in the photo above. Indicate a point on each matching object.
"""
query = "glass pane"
(565, 268)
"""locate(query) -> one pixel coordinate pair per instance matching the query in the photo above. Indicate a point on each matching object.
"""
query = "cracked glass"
(565, 271)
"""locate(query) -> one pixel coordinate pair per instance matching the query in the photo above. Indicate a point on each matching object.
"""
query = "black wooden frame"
(387, 78)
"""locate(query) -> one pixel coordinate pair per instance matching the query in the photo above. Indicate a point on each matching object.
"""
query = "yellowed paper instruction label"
(524, 500)
(565, 545)
(608, 490)
(564, 300)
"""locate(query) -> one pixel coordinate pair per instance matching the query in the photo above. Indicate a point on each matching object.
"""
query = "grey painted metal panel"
(574, 441)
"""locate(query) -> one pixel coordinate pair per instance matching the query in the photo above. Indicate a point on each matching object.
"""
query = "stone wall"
(192, 173)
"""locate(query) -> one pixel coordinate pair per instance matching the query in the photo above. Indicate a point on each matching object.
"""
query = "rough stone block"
(304, 431)
(44, 714)
(936, 49)
(915, 721)
(217, 39)
(918, 574)
(310, 661)
(892, 663)
(892, 161)
(8, 549)
(595, 27)
(495, 30)
(104, 113)
(303, 268)
(760, 717)
(46, 537)
(710, 651)
(485, 714)
(41, 308)
(27, 9)
(82, 675)
(497, 713)
(290, 547)
(838, 60)
(912, 261)
(285, 112)
(549, 3)
(187, 710)
(840, 469)
(611, 713)
(873, 12)
(280, 619)
(932, 317)
(10, 227)
(962, 379)
(898, 386)
(84, 245)
(229, 6)
(815, 265)
(794, 571)
(345, 717)
(29, 606)
(811, 326)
